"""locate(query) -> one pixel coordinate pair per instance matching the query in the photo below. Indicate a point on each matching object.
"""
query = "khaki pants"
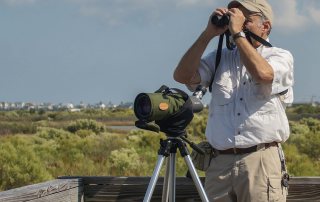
(252, 177)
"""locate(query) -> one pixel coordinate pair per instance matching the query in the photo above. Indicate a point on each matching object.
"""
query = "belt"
(248, 150)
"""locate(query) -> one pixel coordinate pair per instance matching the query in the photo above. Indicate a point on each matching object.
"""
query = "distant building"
(69, 106)
(61, 106)
(126, 105)
(29, 106)
(74, 110)
(82, 105)
(20, 105)
(110, 105)
(100, 105)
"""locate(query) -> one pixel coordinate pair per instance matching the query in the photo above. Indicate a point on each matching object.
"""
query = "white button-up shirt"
(242, 112)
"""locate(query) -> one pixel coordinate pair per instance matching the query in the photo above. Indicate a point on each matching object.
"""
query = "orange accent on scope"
(163, 106)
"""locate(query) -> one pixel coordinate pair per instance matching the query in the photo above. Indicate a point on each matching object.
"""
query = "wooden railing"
(125, 189)
(60, 190)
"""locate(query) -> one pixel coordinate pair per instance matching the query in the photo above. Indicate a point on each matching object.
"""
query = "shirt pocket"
(223, 89)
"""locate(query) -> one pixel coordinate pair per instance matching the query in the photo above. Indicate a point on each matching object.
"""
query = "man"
(247, 120)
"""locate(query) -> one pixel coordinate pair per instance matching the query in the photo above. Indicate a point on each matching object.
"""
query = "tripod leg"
(154, 179)
(172, 178)
(165, 189)
(196, 179)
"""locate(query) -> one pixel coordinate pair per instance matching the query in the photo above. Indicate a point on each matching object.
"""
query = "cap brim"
(247, 5)
(233, 4)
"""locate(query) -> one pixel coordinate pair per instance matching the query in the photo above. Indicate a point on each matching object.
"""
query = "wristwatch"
(238, 35)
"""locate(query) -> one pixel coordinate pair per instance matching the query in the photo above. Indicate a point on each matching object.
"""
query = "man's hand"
(187, 70)
(237, 20)
(213, 30)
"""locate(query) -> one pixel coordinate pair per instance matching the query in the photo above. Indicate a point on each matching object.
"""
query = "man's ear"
(266, 27)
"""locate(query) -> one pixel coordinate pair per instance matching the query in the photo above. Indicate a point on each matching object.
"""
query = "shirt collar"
(261, 46)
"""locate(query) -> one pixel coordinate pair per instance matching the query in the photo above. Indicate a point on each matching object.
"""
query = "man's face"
(254, 23)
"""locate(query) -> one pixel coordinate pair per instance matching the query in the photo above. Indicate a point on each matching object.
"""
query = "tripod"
(168, 148)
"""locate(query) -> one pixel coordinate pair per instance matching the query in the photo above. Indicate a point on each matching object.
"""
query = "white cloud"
(296, 15)
(289, 14)
(313, 9)
(286, 14)
(117, 11)
(315, 15)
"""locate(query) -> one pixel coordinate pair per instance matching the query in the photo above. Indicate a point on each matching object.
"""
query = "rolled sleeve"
(282, 63)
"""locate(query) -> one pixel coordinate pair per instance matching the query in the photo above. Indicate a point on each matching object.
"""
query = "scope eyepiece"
(142, 106)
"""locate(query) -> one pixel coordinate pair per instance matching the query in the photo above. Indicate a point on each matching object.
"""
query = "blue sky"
(111, 50)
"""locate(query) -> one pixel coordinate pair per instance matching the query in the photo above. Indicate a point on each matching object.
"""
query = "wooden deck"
(125, 189)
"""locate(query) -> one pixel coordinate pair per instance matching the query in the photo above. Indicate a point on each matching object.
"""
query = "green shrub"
(298, 128)
(9, 128)
(126, 162)
(86, 124)
(19, 165)
(299, 164)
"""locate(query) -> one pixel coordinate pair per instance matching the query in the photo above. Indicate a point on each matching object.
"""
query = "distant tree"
(307, 109)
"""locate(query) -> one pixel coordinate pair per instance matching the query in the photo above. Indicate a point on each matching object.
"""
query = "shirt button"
(239, 114)
(241, 99)
(244, 83)
(239, 132)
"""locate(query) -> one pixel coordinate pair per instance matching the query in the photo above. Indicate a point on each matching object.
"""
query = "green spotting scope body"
(164, 103)
(171, 110)
(157, 106)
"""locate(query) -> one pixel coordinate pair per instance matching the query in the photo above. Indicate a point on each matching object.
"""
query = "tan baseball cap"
(261, 6)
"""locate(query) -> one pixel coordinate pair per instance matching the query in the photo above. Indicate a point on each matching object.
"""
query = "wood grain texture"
(60, 190)
(97, 189)
(125, 189)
